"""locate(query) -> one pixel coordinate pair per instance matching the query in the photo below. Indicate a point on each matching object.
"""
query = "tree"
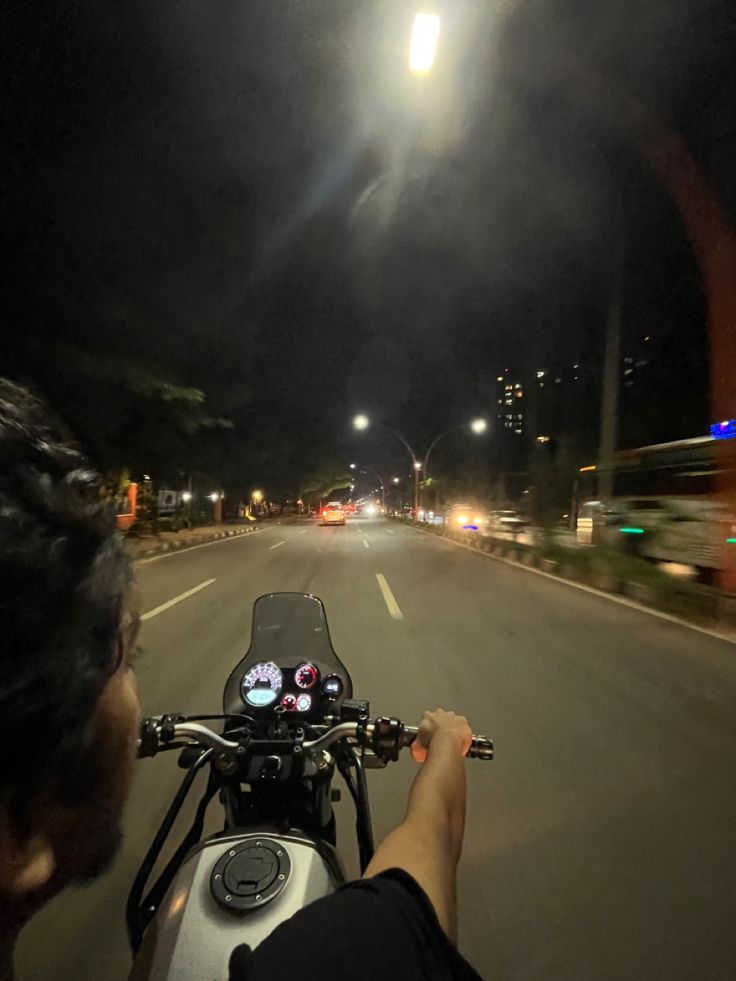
(551, 474)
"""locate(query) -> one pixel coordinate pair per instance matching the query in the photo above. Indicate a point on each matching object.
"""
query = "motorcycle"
(289, 721)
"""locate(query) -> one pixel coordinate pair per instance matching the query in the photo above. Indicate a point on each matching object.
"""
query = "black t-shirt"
(372, 929)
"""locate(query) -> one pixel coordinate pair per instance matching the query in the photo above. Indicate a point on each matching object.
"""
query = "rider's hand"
(441, 727)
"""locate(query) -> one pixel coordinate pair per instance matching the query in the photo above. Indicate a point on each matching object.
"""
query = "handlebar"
(384, 736)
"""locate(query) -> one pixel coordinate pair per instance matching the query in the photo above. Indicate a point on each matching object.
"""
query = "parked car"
(508, 521)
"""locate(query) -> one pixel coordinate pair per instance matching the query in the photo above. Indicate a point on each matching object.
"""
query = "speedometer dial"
(261, 686)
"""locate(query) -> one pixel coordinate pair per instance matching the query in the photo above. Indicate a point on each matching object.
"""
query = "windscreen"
(290, 630)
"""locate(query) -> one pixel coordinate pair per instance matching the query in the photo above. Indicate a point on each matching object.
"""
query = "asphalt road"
(601, 843)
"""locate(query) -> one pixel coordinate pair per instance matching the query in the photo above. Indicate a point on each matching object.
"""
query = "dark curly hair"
(64, 575)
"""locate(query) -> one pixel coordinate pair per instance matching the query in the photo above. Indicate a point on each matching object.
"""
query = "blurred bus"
(666, 505)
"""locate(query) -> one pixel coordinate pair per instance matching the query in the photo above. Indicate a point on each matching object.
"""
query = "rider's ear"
(27, 861)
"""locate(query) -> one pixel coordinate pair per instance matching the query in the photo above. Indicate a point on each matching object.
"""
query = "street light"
(362, 422)
(477, 427)
(425, 33)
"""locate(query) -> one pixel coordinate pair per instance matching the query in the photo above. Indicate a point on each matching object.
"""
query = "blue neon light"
(724, 430)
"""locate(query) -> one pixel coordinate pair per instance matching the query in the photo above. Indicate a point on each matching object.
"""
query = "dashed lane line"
(177, 599)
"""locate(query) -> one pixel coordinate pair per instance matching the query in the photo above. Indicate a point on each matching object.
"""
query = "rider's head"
(68, 701)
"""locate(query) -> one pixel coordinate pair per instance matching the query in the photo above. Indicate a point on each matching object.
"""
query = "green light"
(631, 531)
(731, 541)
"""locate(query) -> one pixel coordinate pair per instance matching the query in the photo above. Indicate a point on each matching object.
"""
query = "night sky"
(257, 200)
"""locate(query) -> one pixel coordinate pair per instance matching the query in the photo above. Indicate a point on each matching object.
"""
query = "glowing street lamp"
(362, 422)
(425, 33)
(478, 426)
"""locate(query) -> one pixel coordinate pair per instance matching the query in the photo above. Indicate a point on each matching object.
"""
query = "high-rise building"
(510, 405)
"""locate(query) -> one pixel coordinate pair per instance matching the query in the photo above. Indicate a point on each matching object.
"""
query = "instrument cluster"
(300, 689)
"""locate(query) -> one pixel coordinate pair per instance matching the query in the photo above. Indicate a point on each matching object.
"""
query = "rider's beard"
(94, 801)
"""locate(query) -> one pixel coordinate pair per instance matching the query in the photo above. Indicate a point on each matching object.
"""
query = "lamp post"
(361, 422)
(477, 426)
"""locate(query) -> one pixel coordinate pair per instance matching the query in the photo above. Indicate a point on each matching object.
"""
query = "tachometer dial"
(306, 675)
(304, 702)
(261, 685)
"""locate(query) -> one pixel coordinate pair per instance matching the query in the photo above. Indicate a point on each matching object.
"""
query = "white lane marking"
(366, 544)
(303, 531)
(388, 596)
(244, 536)
(277, 545)
(621, 600)
(390, 531)
(177, 599)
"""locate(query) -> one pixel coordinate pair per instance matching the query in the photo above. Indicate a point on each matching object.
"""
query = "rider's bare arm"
(427, 844)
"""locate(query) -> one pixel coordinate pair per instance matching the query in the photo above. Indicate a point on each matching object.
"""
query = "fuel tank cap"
(250, 874)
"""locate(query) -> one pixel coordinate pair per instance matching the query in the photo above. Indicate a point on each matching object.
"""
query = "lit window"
(540, 374)
(517, 385)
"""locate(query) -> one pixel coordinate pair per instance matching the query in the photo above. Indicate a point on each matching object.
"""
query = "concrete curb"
(182, 544)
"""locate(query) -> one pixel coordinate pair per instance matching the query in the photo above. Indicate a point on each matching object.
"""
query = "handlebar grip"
(481, 748)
